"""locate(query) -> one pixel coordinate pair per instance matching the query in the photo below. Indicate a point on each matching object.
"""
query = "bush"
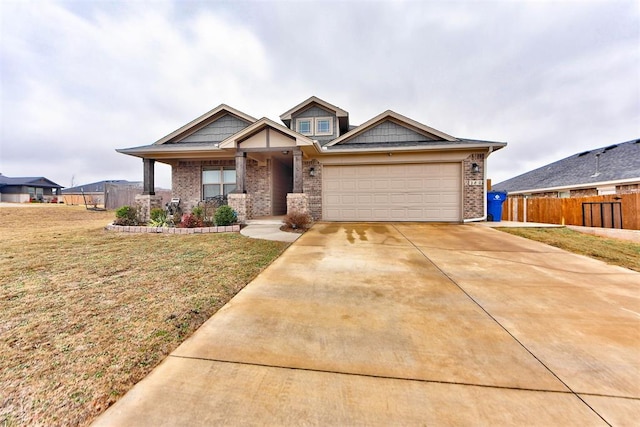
(158, 218)
(298, 220)
(190, 221)
(126, 215)
(225, 215)
(158, 215)
(198, 211)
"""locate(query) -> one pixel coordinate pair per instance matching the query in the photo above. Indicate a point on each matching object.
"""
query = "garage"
(392, 192)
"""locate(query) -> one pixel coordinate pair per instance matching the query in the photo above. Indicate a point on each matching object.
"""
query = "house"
(390, 168)
(111, 194)
(614, 169)
(26, 189)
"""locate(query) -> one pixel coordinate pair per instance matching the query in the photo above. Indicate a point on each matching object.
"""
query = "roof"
(30, 181)
(203, 120)
(611, 164)
(97, 187)
(419, 127)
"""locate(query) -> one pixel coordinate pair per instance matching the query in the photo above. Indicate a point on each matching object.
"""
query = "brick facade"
(186, 180)
(258, 184)
(473, 199)
(242, 205)
(312, 187)
(297, 202)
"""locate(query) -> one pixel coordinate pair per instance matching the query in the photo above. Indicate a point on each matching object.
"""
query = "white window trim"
(315, 127)
(311, 125)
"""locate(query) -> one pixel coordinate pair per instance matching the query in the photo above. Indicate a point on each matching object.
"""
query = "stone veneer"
(473, 193)
(173, 230)
(145, 203)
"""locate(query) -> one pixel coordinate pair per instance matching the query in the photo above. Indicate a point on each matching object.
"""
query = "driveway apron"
(404, 324)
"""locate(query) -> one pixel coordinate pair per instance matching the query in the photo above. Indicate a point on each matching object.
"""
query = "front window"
(304, 126)
(218, 181)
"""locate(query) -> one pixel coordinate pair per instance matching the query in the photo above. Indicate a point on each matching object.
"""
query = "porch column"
(148, 185)
(297, 171)
(241, 169)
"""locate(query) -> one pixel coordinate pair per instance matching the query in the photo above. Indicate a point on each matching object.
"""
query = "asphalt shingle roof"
(614, 162)
(96, 187)
(30, 181)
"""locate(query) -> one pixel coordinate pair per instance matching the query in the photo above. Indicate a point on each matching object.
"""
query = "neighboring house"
(25, 189)
(614, 169)
(390, 168)
(110, 194)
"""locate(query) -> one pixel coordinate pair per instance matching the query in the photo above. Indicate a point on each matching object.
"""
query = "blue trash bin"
(494, 205)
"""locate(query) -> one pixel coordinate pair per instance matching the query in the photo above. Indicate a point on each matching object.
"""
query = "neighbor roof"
(30, 181)
(97, 187)
(615, 163)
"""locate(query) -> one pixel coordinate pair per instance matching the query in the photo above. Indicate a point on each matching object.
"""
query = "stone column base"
(241, 203)
(298, 202)
(144, 204)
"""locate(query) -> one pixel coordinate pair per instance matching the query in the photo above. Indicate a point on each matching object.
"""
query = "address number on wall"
(473, 182)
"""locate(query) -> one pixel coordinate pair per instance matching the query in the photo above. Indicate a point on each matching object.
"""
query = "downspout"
(484, 193)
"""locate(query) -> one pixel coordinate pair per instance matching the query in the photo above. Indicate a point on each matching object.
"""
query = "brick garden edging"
(172, 230)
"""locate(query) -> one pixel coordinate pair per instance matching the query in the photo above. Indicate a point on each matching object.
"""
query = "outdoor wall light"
(312, 171)
(475, 168)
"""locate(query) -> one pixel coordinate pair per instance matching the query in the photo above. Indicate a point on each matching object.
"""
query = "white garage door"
(401, 192)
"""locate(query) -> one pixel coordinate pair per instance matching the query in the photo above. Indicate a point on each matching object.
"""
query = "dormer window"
(305, 126)
(324, 125)
(315, 126)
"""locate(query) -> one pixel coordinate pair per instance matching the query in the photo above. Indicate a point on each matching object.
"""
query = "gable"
(268, 138)
(389, 131)
(315, 111)
(218, 130)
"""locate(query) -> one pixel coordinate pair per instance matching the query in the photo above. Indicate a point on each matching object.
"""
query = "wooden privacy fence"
(569, 211)
(113, 197)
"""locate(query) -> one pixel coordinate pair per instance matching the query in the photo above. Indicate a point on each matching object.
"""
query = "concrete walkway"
(408, 324)
(268, 229)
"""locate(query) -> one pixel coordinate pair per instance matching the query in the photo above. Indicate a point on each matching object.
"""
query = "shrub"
(198, 212)
(190, 221)
(298, 220)
(158, 214)
(225, 215)
(158, 218)
(126, 215)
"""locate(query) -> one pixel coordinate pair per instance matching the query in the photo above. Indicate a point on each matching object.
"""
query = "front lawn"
(87, 313)
(612, 251)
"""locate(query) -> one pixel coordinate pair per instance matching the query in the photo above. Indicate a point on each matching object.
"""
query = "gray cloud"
(80, 79)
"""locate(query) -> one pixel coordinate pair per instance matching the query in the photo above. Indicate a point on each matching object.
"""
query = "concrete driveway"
(409, 324)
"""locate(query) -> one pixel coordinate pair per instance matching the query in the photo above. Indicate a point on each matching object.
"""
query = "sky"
(79, 79)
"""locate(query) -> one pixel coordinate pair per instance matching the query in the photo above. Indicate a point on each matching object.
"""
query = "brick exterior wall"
(473, 198)
(242, 205)
(258, 184)
(297, 202)
(585, 192)
(186, 181)
(312, 187)
(628, 189)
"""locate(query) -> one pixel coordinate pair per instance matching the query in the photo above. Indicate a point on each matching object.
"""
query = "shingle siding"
(217, 131)
(386, 132)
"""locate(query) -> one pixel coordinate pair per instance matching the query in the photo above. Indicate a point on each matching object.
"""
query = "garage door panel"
(399, 192)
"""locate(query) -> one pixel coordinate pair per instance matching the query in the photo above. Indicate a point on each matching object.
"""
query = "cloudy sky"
(79, 79)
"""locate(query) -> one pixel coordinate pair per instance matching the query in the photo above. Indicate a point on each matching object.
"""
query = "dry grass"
(87, 313)
(612, 251)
